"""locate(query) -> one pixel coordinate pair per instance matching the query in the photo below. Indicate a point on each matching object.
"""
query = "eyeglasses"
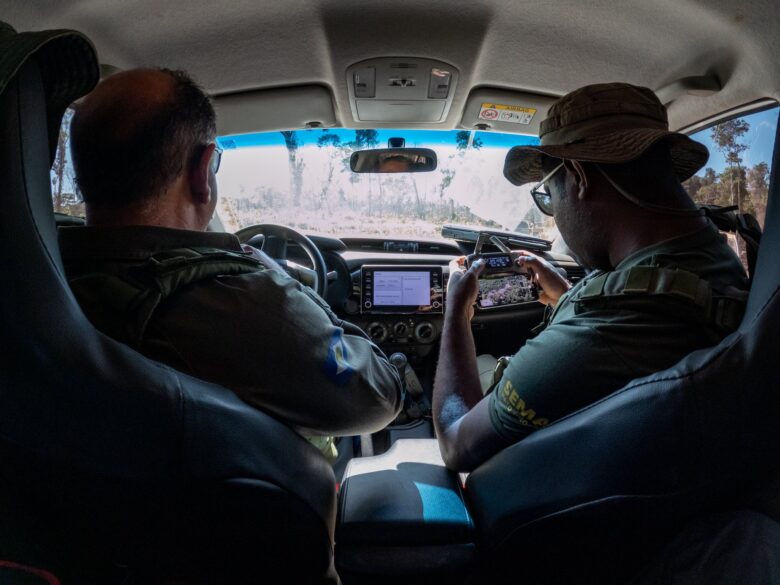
(216, 158)
(541, 194)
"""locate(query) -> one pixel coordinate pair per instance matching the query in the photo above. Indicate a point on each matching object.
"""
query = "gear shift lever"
(408, 378)
(400, 362)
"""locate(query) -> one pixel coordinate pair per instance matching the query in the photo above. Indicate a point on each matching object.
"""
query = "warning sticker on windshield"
(505, 113)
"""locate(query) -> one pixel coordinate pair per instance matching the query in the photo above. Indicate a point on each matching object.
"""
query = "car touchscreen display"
(401, 289)
(501, 291)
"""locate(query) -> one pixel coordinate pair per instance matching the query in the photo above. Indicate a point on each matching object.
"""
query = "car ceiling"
(540, 47)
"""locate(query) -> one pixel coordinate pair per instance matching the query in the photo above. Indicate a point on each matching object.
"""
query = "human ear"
(579, 175)
(199, 175)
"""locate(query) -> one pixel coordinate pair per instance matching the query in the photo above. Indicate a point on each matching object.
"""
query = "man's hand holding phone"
(551, 284)
(463, 287)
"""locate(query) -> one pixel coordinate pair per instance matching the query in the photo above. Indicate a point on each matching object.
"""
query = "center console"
(402, 305)
(403, 518)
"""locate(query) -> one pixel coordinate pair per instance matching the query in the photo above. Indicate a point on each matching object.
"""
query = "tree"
(296, 165)
(446, 179)
(727, 136)
(366, 139)
(758, 187)
(462, 139)
(332, 142)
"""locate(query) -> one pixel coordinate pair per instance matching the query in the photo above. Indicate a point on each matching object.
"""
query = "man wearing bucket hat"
(663, 281)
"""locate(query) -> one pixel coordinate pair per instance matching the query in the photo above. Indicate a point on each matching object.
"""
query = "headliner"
(544, 47)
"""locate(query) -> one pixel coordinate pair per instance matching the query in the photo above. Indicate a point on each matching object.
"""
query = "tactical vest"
(120, 299)
(680, 293)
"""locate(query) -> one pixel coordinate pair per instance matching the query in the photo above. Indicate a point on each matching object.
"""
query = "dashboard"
(395, 290)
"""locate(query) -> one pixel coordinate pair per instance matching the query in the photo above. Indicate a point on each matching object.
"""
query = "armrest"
(404, 496)
(400, 502)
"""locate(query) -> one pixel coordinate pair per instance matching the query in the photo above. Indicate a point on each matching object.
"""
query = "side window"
(738, 170)
(65, 195)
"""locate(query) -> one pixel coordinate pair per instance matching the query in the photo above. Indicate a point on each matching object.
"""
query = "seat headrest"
(67, 62)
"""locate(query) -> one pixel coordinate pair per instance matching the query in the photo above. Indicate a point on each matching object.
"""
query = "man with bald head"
(142, 142)
(147, 273)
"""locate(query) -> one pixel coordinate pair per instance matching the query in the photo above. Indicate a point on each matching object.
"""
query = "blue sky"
(413, 138)
(760, 138)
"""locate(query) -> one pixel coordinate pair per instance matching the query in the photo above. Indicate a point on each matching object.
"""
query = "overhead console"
(401, 90)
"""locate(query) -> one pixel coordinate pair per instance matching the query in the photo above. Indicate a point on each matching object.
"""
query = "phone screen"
(502, 291)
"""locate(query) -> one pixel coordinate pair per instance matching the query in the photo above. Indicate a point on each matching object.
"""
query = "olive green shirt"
(590, 349)
(262, 334)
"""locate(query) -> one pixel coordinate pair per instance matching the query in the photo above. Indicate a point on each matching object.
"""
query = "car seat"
(114, 468)
(594, 497)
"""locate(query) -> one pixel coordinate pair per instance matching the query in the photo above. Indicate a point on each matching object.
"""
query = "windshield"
(302, 179)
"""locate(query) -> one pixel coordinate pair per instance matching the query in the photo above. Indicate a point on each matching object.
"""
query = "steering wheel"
(272, 239)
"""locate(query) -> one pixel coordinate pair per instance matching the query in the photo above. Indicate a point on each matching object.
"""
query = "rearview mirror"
(393, 160)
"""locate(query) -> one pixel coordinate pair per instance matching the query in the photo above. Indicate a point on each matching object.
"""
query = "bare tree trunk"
(418, 202)
(381, 195)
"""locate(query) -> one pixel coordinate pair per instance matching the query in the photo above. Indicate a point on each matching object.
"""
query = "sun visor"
(284, 108)
(505, 111)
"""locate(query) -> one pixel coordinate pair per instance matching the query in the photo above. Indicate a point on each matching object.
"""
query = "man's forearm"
(457, 387)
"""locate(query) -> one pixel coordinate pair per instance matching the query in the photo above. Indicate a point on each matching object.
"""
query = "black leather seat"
(114, 468)
(593, 497)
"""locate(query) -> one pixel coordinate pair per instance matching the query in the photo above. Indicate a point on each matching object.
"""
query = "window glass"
(64, 192)
(303, 179)
(737, 172)
(740, 162)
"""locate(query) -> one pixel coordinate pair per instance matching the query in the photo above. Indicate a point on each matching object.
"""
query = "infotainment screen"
(401, 289)
(501, 291)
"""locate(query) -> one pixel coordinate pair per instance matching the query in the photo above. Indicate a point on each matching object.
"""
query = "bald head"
(136, 133)
(128, 100)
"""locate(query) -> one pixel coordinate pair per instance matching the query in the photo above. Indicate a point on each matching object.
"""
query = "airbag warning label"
(505, 113)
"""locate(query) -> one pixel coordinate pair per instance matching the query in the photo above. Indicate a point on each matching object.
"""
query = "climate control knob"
(424, 332)
(400, 329)
(377, 331)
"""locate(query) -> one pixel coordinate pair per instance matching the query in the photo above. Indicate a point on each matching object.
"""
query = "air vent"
(401, 246)
(575, 273)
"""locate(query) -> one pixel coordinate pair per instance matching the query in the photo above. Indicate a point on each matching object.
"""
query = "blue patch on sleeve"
(337, 366)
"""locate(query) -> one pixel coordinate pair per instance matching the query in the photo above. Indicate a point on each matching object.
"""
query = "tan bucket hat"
(604, 123)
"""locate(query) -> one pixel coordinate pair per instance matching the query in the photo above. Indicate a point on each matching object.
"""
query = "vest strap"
(694, 295)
